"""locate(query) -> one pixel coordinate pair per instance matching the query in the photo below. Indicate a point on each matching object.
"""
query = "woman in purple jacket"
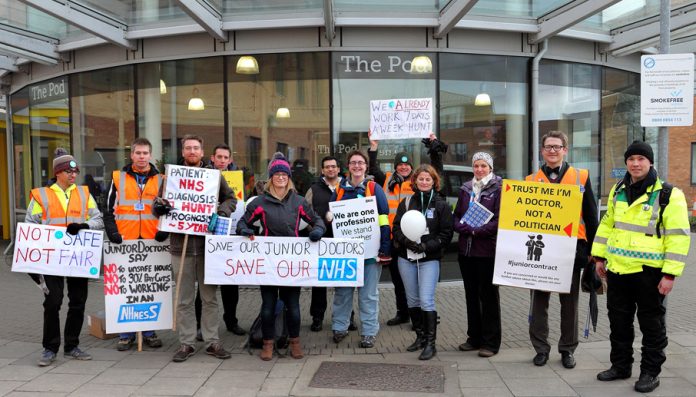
(477, 256)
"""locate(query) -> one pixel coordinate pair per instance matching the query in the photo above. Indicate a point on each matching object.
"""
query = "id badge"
(430, 213)
(139, 206)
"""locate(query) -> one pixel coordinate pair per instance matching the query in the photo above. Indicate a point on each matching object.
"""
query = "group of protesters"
(639, 246)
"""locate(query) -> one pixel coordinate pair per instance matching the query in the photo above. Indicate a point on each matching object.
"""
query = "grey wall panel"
(275, 39)
(92, 57)
(402, 38)
(572, 50)
(176, 46)
(487, 41)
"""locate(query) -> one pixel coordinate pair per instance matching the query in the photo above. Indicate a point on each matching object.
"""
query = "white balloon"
(413, 225)
(303, 224)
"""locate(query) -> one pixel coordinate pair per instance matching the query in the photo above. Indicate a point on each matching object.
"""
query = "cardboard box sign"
(97, 326)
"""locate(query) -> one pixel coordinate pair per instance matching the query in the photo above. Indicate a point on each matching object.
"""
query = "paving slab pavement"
(509, 373)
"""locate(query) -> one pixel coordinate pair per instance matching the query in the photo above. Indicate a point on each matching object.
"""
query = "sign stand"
(178, 282)
(140, 341)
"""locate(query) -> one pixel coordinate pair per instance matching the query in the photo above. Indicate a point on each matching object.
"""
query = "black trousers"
(399, 290)
(230, 299)
(317, 307)
(482, 302)
(77, 296)
(627, 294)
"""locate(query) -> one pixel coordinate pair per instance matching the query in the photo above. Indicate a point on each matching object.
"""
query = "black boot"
(400, 318)
(417, 320)
(430, 326)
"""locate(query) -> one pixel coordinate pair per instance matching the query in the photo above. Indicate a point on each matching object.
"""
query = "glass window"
(360, 77)
(176, 98)
(569, 99)
(283, 108)
(40, 125)
(693, 163)
(103, 125)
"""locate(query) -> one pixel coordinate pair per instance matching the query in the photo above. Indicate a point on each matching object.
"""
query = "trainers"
(77, 354)
(467, 347)
(47, 357)
(338, 336)
(316, 324)
(486, 353)
(368, 341)
(237, 330)
(646, 383)
(153, 341)
(184, 352)
(124, 344)
(216, 350)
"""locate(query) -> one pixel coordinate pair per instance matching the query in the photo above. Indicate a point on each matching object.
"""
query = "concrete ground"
(509, 373)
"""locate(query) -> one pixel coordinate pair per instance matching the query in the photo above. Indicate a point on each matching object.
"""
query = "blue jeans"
(131, 335)
(420, 288)
(291, 298)
(368, 303)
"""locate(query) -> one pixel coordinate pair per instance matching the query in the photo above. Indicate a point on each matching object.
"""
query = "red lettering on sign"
(191, 184)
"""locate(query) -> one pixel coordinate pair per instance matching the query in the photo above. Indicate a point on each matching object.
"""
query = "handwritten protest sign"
(401, 118)
(137, 286)
(51, 250)
(235, 179)
(537, 234)
(290, 261)
(193, 192)
(357, 218)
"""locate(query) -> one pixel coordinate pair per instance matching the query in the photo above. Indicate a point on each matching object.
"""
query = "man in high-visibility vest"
(64, 204)
(641, 245)
(554, 148)
(397, 185)
(129, 213)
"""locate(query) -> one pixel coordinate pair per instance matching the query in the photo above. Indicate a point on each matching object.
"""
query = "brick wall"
(680, 140)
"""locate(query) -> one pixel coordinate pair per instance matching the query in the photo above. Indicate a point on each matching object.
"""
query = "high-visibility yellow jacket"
(394, 197)
(627, 236)
(134, 223)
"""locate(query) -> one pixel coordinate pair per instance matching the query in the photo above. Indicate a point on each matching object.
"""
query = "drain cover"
(379, 377)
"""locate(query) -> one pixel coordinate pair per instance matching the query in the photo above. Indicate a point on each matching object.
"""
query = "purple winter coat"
(480, 241)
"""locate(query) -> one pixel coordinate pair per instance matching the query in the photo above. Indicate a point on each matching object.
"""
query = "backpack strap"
(665, 194)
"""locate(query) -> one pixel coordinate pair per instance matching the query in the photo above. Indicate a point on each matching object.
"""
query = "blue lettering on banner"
(139, 312)
(338, 269)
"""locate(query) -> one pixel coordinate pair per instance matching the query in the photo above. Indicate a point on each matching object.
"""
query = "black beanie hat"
(641, 148)
(402, 157)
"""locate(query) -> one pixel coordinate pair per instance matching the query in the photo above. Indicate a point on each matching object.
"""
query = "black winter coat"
(279, 218)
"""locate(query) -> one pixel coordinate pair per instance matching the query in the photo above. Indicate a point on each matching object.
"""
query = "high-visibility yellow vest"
(53, 212)
(395, 197)
(135, 223)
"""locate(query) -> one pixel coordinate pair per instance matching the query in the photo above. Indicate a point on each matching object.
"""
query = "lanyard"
(425, 208)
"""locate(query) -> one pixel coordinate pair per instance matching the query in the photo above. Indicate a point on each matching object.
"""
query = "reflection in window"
(103, 125)
(693, 163)
(298, 82)
(40, 124)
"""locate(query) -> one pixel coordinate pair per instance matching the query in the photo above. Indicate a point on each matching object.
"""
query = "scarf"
(477, 185)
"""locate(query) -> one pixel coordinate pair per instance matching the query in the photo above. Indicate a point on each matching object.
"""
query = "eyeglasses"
(553, 148)
(72, 172)
(352, 163)
(280, 175)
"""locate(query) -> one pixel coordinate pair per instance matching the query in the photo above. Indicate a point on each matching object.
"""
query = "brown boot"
(267, 352)
(296, 348)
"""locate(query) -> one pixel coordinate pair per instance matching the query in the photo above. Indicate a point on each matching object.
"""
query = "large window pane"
(103, 125)
(569, 97)
(166, 110)
(296, 82)
(40, 124)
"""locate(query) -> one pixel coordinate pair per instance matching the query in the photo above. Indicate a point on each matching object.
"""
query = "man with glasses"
(64, 204)
(554, 145)
(193, 268)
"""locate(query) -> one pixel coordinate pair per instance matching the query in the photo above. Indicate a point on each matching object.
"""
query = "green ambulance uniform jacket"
(627, 236)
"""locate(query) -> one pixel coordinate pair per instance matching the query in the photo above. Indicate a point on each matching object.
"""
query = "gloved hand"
(246, 232)
(383, 259)
(161, 236)
(396, 179)
(435, 145)
(315, 234)
(415, 247)
(161, 206)
(212, 223)
(115, 238)
(73, 228)
(464, 228)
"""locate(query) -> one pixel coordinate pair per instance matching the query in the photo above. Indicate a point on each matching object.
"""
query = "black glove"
(73, 228)
(396, 179)
(415, 247)
(161, 236)
(161, 206)
(115, 238)
(315, 234)
(435, 145)
(246, 232)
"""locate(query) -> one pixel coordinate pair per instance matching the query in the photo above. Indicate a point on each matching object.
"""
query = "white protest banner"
(357, 218)
(51, 250)
(666, 90)
(401, 118)
(289, 261)
(137, 286)
(193, 193)
(537, 235)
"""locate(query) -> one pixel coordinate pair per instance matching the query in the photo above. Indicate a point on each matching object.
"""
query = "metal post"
(543, 46)
(663, 132)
